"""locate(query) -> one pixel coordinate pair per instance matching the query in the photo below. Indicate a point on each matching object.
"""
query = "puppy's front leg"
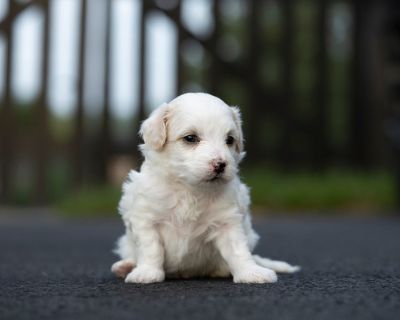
(150, 257)
(232, 244)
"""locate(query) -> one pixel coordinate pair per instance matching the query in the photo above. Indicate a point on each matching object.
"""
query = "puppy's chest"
(188, 221)
(186, 243)
(188, 228)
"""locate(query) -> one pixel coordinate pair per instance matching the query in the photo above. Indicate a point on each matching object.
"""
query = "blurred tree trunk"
(214, 71)
(41, 115)
(141, 111)
(286, 143)
(360, 115)
(7, 113)
(255, 100)
(105, 139)
(179, 72)
(320, 136)
(78, 139)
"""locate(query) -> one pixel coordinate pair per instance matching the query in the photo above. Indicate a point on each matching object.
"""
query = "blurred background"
(318, 83)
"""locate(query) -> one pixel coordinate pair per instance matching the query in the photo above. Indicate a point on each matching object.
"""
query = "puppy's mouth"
(217, 177)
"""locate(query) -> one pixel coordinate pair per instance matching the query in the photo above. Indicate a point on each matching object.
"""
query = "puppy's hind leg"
(126, 251)
(121, 268)
(221, 271)
(277, 266)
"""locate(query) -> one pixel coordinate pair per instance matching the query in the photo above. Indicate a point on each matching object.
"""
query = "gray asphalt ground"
(59, 269)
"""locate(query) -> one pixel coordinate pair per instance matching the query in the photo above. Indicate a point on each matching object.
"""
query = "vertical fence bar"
(41, 114)
(105, 127)
(321, 149)
(7, 114)
(360, 138)
(286, 144)
(214, 72)
(142, 73)
(142, 62)
(179, 72)
(253, 95)
(77, 148)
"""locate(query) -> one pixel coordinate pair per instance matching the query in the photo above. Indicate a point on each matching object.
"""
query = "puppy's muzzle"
(218, 166)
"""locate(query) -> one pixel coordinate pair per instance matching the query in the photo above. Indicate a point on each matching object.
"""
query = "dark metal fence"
(302, 140)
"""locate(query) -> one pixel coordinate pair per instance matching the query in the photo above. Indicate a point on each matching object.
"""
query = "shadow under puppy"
(187, 212)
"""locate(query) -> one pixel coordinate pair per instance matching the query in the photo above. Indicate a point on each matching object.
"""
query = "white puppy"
(186, 212)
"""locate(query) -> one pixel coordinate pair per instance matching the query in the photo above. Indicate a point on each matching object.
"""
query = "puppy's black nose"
(219, 167)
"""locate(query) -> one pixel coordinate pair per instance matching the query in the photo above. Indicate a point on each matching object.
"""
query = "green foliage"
(335, 190)
(330, 191)
(90, 201)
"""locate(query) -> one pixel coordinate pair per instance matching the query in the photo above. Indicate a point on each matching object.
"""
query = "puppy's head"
(196, 137)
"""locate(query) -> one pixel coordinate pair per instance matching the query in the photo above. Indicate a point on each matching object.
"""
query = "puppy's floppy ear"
(154, 128)
(238, 121)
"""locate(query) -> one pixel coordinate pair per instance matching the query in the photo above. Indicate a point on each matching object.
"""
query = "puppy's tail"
(277, 266)
(124, 248)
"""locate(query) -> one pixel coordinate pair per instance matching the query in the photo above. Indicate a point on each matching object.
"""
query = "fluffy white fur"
(182, 218)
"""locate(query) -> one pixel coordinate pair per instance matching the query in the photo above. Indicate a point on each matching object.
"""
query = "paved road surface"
(53, 269)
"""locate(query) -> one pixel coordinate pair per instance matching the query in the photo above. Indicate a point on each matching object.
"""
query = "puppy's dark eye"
(230, 140)
(191, 138)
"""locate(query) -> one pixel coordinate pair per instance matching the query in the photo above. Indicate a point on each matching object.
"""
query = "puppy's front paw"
(145, 274)
(255, 274)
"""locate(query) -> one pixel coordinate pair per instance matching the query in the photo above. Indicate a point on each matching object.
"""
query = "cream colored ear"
(238, 121)
(154, 128)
